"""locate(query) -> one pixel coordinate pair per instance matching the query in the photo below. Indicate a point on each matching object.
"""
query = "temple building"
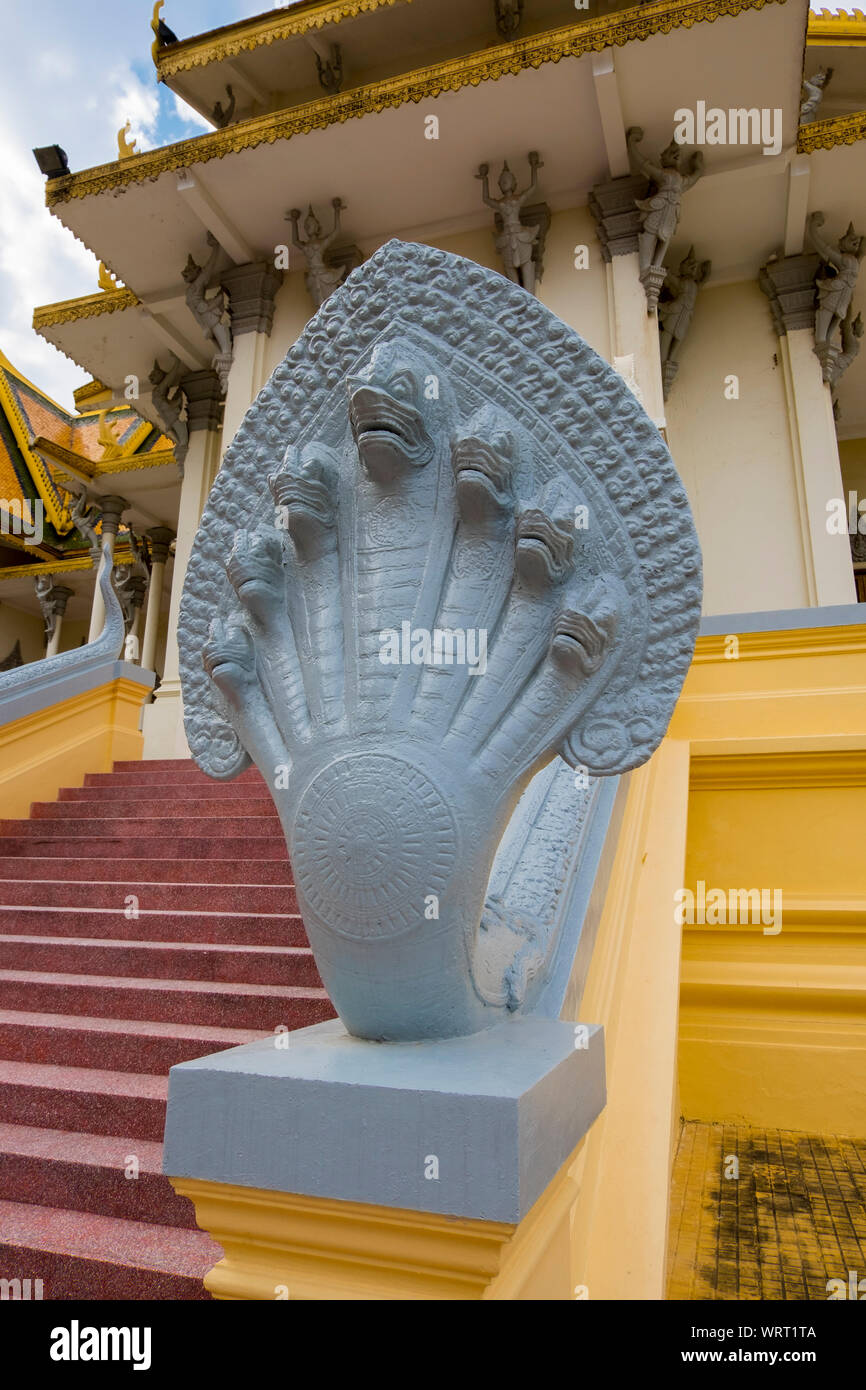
(682, 182)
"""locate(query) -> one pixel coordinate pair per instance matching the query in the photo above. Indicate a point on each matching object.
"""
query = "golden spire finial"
(107, 438)
(154, 24)
(125, 146)
(105, 278)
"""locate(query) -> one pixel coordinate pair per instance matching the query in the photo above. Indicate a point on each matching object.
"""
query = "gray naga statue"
(84, 518)
(391, 609)
(320, 279)
(814, 89)
(835, 290)
(676, 312)
(171, 406)
(660, 212)
(515, 243)
(209, 306)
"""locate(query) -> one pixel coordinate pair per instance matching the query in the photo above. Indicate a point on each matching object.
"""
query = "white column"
(160, 538)
(818, 473)
(246, 379)
(59, 597)
(112, 509)
(163, 720)
(251, 290)
(636, 332)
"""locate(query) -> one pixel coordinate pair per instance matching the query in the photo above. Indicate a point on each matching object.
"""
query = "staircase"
(146, 918)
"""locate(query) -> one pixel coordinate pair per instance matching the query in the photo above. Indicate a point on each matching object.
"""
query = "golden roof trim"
(88, 306)
(489, 64)
(58, 566)
(233, 39)
(839, 28)
(836, 130)
(97, 468)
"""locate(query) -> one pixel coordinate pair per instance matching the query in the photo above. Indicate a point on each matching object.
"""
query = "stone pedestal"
(163, 720)
(377, 1137)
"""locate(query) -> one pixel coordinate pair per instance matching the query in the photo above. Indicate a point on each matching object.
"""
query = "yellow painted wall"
(57, 746)
(852, 456)
(16, 625)
(734, 456)
(773, 1025)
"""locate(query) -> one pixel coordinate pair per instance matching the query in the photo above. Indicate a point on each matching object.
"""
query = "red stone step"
(169, 765)
(60, 850)
(78, 829)
(117, 801)
(209, 928)
(258, 1007)
(212, 873)
(166, 780)
(92, 1100)
(87, 1172)
(96, 1006)
(136, 1045)
(161, 960)
(102, 1257)
(164, 896)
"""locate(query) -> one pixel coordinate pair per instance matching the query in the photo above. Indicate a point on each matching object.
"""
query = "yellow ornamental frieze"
(419, 85)
(89, 306)
(836, 130)
(271, 30)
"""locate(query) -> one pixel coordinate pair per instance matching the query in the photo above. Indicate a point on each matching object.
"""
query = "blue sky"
(71, 75)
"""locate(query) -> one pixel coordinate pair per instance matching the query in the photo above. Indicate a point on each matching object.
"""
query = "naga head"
(545, 538)
(582, 635)
(228, 657)
(388, 410)
(305, 492)
(484, 459)
(255, 571)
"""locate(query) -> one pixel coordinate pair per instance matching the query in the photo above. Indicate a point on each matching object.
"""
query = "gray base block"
(473, 1127)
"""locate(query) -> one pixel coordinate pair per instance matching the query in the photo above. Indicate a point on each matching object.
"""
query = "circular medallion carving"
(393, 522)
(373, 837)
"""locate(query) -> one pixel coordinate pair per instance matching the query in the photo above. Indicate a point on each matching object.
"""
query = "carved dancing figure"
(222, 115)
(209, 308)
(170, 403)
(515, 243)
(814, 89)
(509, 15)
(331, 71)
(661, 211)
(835, 291)
(675, 314)
(320, 279)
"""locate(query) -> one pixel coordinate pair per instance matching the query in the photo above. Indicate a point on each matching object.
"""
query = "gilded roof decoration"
(235, 39)
(836, 130)
(37, 437)
(451, 75)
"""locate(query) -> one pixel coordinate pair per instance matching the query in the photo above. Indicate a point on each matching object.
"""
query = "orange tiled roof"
(27, 413)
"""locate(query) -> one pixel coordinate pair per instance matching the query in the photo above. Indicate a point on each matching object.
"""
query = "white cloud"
(40, 262)
(137, 103)
(189, 115)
